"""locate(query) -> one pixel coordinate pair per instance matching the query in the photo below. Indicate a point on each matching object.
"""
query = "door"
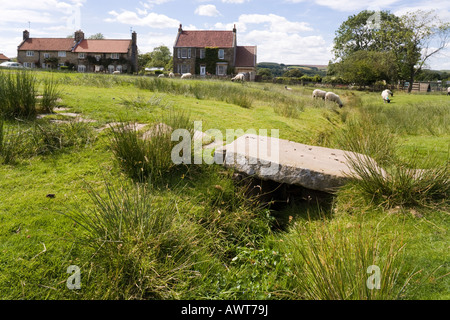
(203, 70)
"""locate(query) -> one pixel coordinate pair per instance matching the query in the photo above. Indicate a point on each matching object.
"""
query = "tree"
(159, 57)
(293, 73)
(366, 67)
(265, 73)
(410, 38)
(97, 36)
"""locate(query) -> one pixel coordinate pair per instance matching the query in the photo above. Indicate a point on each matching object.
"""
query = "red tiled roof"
(103, 46)
(203, 39)
(246, 56)
(3, 57)
(47, 44)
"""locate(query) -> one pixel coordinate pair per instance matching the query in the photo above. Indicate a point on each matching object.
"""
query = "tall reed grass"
(149, 158)
(330, 261)
(17, 95)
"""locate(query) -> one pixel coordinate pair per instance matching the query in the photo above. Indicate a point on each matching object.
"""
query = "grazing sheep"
(331, 96)
(286, 87)
(448, 91)
(239, 77)
(116, 72)
(319, 94)
(186, 76)
(171, 75)
(385, 95)
(161, 76)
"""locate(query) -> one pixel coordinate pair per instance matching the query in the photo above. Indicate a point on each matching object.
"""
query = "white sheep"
(239, 77)
(161, 76)
(333, 97)
(287, 88)
(171, 75)
(319, 94)
(186, 76)
(116, 72)
(385, 95)
(448, 91)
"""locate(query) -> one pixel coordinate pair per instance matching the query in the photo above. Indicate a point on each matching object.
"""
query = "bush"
(50, 95)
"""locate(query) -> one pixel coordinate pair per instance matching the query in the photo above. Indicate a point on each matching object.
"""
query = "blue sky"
(286, 31)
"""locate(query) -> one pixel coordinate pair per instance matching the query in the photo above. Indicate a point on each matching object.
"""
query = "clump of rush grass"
(10, 143)
(143, 246)
(362, 135)
(332, 261)
(17, 95)
(403, 184)
(50, 95)
(149, 157)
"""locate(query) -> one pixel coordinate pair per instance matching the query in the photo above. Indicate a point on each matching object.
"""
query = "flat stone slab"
(284, 161)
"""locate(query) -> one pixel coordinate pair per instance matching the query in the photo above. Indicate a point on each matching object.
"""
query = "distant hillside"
(279, 68)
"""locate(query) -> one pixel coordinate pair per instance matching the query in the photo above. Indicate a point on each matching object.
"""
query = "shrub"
(50, 95)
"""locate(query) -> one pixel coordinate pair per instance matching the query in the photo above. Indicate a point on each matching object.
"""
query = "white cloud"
(152, 20)
(207, 10)
(149, 4)
(234, 1)
(352, 5)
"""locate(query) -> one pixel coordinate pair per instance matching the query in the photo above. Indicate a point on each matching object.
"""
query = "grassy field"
(65, 198)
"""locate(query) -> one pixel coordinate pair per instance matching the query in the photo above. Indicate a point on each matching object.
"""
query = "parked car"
(11, 65)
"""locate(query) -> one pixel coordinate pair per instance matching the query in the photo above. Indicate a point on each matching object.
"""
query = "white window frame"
(218, 69)
(82, 68)
(184, 68)
(184, 53)
(119, 68)
(115, 56)
(46, 55)
(28, 64)
(81, 55)
(221, 54)
(202, 53)
(30, 53)
(62, 54)
(111, 68)
(98, 57)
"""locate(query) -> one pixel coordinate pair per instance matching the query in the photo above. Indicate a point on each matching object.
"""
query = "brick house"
(83, 55)
(212, 52)
(3, 58)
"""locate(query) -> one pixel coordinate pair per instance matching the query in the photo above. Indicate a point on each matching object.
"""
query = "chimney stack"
(180, 29)
(79, 36)
(26, 35)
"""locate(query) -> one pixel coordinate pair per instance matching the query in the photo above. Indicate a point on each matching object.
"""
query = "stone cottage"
(79, 54)
(211, 52)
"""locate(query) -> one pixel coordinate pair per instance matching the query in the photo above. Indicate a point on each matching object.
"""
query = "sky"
(286, 31)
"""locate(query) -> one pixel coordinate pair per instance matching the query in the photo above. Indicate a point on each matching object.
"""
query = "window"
(28, 64)
(82, 55)
(184, 68)
(115, 56)
(221, 69)
(61, 64)
(61, 54)
(98, 57)
(81, 68)
(30, 53)
(119, 68)
(202, 54)
(184, 53)
(110, 68)
(221, 54)
(46, 55)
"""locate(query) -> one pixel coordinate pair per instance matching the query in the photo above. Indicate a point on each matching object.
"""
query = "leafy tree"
(159, 57)
(293, 73)
(265, 73)
(97, 36)
(367, 67)
(409, 38)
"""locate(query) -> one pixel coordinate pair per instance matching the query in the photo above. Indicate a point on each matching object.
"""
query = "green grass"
(196, 235)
